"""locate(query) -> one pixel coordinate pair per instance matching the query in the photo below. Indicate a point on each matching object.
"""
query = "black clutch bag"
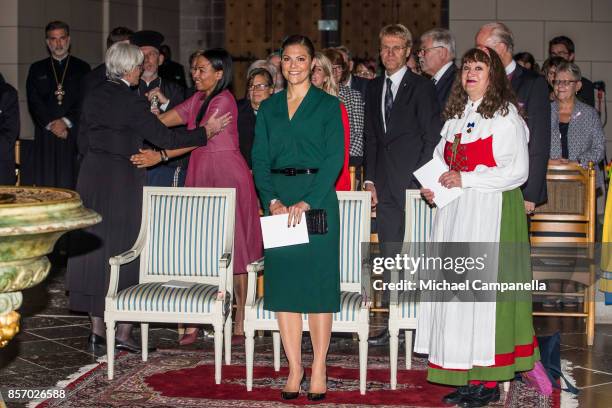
(316, 222)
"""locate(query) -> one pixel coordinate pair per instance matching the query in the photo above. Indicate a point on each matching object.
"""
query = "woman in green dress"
(297, 155)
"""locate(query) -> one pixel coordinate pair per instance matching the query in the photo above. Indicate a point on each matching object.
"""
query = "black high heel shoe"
(317, 396)
(288, 395)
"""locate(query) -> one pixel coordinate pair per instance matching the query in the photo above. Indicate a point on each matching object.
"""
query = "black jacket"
(444, 85)
(9, 131)
(532, 92)
(360, 84)
(412, 134)
(246, 128)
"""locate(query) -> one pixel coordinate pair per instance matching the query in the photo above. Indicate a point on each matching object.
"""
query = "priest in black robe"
(54, 98)
(163, 95)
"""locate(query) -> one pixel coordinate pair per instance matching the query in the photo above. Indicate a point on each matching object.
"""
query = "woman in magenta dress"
(220, 164)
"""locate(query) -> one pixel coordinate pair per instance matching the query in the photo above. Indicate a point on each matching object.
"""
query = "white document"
(428, 176)
(276, 233)
(178, 284)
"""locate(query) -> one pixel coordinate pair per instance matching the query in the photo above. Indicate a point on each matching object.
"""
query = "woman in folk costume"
(484, 142)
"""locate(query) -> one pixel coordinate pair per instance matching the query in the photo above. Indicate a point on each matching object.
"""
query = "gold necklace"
(60, 92)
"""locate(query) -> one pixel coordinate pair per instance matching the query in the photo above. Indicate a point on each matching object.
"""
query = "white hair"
(441, 37)
(500, 33)
(262, 64)
(121, 58)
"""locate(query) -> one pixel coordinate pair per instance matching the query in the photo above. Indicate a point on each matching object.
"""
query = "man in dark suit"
(563, 47)
(402, 128)
(353, 82)
(532, 92)
(97, 75)
(9, 131)
(437, 59)
(169, 94)
(53, 89)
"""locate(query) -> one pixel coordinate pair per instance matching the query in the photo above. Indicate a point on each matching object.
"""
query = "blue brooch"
(470, 126)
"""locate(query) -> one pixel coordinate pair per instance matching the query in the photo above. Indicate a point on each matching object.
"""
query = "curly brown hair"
(499, 93)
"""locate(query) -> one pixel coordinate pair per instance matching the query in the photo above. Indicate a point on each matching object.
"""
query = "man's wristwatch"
(164, 155)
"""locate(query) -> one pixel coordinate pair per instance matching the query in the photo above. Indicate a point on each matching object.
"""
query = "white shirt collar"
(396, 78)
(348, 81)
(473, 105)
(125, 82)
(510, 67)
(442, 71)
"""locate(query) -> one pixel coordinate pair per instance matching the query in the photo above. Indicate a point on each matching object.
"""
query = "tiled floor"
(52, 345)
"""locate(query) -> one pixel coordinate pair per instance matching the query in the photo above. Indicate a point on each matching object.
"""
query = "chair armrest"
(121, 259)
(366, 282)
(252, 269)
(225, 260)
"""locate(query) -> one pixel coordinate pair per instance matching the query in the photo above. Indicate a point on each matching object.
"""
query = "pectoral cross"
(59, 94)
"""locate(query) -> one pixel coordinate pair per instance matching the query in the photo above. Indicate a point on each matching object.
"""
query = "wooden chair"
(403, 306)
(354, 286)
(562, 234)
(187, 234)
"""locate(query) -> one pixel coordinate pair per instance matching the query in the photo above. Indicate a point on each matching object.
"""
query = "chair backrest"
(186, 231)
(569, 215)
(355, 218)
(419, 217)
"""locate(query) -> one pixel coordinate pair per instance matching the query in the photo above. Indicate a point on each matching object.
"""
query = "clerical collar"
(396, 78)
(510, 67)
(442, 71)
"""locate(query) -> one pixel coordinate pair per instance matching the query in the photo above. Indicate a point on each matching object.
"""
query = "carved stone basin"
(31, 221)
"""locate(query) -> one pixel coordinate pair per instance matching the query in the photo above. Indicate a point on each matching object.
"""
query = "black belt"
(291, 171)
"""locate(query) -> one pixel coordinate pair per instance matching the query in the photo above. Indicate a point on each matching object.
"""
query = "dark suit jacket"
(532, 92)
(412, 134)
(246, 128)
(587, 92)
(93, 79)
(9, 131)
(359, 84)
(444, 85)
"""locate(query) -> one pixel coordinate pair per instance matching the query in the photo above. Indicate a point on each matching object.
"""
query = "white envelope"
(428, 176)
(276, 233)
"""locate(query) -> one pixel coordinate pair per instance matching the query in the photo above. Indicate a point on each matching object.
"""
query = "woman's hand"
(278, 208)
(160, 96)
(216, 124)
(146, 158)
(428, 195)
(295, 213)
(450, 179)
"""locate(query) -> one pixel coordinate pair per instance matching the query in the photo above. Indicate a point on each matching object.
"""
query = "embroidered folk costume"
(488, 341)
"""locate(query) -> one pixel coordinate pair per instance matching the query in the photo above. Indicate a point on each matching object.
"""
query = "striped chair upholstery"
(153, 297)
(404, 306)
(351, 224)
(186, 235)
(177, 248)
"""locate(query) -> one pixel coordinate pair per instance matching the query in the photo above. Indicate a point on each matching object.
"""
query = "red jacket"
(344, 179)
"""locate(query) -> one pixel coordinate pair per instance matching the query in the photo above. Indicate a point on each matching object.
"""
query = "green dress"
(301, 278)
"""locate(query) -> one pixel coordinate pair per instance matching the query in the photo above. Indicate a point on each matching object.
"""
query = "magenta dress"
(220, 164)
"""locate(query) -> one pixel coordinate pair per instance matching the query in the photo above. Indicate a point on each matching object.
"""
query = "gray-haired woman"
(114, 123)
(576, 136)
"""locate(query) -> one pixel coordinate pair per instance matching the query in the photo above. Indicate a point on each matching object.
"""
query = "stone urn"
(31, 221)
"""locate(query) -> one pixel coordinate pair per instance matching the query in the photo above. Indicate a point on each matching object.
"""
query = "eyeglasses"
(258, 87)
(394, 50)
(337, 68)
(562, 54)
(423, 51)
(563, 82)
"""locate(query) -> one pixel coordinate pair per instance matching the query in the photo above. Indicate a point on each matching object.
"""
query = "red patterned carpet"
(185, 378)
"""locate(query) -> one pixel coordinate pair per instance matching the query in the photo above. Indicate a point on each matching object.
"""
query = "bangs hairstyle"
(259, 71)
(397, 30)
(336, 58)
(220, 60)
(498, 95)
